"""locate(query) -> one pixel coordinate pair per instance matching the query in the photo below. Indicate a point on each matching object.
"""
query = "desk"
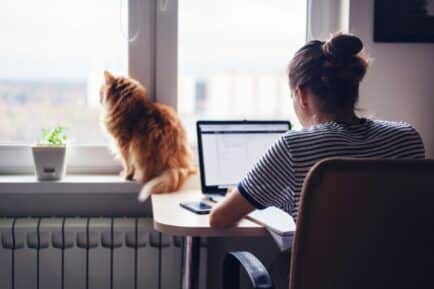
(170, 218)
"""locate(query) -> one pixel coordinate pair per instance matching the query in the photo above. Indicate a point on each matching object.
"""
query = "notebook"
(279, 224)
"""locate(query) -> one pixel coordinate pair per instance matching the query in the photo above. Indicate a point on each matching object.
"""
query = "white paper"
(283, 242)
(278, 223)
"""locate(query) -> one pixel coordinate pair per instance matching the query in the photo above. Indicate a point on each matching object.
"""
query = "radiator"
(88, 253)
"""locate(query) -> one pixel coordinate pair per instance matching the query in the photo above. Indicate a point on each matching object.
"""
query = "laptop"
(229, 149)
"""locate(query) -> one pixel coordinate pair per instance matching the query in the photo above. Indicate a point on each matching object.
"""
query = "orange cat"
(149, 137)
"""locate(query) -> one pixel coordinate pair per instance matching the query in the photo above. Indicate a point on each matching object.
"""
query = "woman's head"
(330, 72)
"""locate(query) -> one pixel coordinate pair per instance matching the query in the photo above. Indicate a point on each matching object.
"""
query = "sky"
(239, 34)
(67, 40)
(58, 39)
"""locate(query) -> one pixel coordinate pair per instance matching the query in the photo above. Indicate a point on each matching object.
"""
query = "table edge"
(209, 232)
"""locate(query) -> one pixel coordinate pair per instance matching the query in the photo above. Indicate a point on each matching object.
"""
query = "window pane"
(51, 62)
(233, 57)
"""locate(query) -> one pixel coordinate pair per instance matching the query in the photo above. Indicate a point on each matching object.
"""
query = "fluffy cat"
(149, 137)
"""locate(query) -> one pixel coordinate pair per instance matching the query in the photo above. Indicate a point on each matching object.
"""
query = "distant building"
(201, 96)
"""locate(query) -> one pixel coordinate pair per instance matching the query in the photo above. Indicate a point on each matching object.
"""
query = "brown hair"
(331, 70)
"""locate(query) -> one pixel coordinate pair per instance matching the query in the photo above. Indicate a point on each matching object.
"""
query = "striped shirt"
(277, 178)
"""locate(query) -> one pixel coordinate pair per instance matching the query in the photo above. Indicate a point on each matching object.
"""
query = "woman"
(324, 79)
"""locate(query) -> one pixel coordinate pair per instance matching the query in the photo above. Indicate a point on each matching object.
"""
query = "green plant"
(55, 136)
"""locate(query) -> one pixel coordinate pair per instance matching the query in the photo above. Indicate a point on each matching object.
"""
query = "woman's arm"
(268, 183)
(232, 209)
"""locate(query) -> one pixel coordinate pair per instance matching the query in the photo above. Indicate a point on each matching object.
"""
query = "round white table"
(170, 218)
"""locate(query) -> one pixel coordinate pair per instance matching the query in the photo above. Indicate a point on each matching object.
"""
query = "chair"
(362, 224)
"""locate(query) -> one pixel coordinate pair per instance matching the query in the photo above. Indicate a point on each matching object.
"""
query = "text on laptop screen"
(231, 150)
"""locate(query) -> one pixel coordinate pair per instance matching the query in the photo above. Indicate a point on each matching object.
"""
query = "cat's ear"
(109, 78)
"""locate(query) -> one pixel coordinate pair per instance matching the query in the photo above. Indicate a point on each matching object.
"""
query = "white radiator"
(88, 253)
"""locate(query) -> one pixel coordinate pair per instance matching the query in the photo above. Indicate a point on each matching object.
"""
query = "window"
(209, 59)
(233, 57)
(51, 62)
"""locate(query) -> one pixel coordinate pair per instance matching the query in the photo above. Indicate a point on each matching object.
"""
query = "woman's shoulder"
(390, 123)
(307, 135)
(401, 126)
(335, 130)
(318, 129)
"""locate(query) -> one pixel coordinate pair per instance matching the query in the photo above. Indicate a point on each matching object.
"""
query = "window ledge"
(75, 195)
(70, 184)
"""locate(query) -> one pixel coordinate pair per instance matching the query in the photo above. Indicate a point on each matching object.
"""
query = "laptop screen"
(228, 150)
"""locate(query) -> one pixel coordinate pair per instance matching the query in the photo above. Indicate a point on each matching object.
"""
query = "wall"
(399, 84)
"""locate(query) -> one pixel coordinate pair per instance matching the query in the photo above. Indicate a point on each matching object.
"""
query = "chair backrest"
(365, 224)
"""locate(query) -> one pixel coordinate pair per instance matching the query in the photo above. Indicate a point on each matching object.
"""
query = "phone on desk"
(197, 207)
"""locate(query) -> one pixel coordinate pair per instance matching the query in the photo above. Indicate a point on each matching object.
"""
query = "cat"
(148, 137)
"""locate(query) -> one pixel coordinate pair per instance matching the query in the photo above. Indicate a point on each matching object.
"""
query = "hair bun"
(342, 46)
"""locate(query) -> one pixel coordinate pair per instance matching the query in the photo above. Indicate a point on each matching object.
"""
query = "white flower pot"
(49, 161)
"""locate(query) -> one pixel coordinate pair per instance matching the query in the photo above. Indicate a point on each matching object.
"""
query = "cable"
(62, 273)
(121, 24)
(38, 249)
(136, 246)
(13, 254)
(160, 255)
(111, 252)
(87, 251)
(182, 247)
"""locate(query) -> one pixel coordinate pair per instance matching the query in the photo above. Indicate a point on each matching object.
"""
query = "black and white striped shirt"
(277, 178)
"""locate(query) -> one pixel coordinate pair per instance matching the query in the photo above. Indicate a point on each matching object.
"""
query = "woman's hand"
(232, 209)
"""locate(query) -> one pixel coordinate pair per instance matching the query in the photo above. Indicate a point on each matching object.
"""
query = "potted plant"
(49, 154)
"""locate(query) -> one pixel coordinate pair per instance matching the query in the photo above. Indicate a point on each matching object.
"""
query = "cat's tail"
(169, 181)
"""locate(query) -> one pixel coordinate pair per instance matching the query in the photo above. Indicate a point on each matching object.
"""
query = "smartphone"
(197, 207)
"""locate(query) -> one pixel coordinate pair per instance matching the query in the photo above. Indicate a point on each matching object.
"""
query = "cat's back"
(168, 115)
(166, 110)
(159, 122)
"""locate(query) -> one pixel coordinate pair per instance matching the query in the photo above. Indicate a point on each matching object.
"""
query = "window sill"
(70, 184)
(74, 196)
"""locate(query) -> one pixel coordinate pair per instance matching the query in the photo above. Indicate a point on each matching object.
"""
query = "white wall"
(399, 84)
